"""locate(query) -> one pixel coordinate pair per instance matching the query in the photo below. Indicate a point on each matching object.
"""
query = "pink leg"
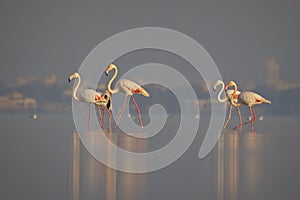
(229, 116)
(89, 117)
(240, 118)
(138, 111)
(104, 112)
(253, 118)
(122, 110)
(109, 113)
(100, 117)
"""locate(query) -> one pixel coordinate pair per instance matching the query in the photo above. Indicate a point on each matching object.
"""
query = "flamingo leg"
(253, 118)
(229, 116)
(104, 112)
(138, 111)
(250, 121)
(240, 118)
(100, 117)
(89, 117)
(121, 112)
(109, 113)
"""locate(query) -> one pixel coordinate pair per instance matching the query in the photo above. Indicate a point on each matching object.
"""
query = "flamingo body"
(251, 98)
(130, 88)
(90, 96)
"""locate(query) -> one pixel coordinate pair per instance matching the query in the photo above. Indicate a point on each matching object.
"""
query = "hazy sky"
(40, 38)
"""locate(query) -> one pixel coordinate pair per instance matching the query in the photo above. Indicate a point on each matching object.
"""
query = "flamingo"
(228, 98)
(247, 98)
(89, 96)
(128, 88)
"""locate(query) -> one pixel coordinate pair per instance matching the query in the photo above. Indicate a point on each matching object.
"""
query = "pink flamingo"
(128, 87)
(89, 96)
(247, 98)
(229, 94)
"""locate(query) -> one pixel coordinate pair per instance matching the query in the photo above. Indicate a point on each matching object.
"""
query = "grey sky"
(40, 38)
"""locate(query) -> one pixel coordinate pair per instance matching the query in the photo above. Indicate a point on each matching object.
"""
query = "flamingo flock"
(103, 101)
(237, 99)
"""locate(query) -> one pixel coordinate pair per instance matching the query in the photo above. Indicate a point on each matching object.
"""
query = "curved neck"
(111, 80)
(219, 95)
(76, 88)
(232, 97)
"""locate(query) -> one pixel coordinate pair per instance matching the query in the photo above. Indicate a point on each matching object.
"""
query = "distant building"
(17, 101)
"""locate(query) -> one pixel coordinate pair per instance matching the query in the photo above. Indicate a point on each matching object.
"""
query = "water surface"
(44, 159)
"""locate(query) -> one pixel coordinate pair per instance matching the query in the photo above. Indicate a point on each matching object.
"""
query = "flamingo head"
(75, 75)
(110, 67)
(216, 84)
(229, 84)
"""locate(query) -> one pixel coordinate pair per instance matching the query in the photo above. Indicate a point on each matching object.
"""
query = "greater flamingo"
(247, 98)
(89, 96)
(128, 87)
(229, 94)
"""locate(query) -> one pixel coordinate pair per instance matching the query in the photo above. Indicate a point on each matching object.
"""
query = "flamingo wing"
(130, 87)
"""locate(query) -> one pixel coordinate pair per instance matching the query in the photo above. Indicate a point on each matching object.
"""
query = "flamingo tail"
(266, 101)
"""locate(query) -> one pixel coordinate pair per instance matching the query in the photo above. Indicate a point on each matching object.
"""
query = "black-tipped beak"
(69, 80)
(106, 73)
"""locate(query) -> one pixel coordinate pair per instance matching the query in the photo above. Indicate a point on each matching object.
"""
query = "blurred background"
(42, 42)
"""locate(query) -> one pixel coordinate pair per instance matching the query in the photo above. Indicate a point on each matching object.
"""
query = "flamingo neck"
(76, 88)
(113, 91)
(219, 95)
(232, 97)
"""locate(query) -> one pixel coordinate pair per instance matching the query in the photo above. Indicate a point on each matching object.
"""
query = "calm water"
(44, 159)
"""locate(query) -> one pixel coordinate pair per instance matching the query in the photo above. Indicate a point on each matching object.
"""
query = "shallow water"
(45, 159)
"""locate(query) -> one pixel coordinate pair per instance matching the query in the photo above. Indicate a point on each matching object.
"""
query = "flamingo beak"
(107, 70)
(70, 78)
(226, 87)
(215, 87)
